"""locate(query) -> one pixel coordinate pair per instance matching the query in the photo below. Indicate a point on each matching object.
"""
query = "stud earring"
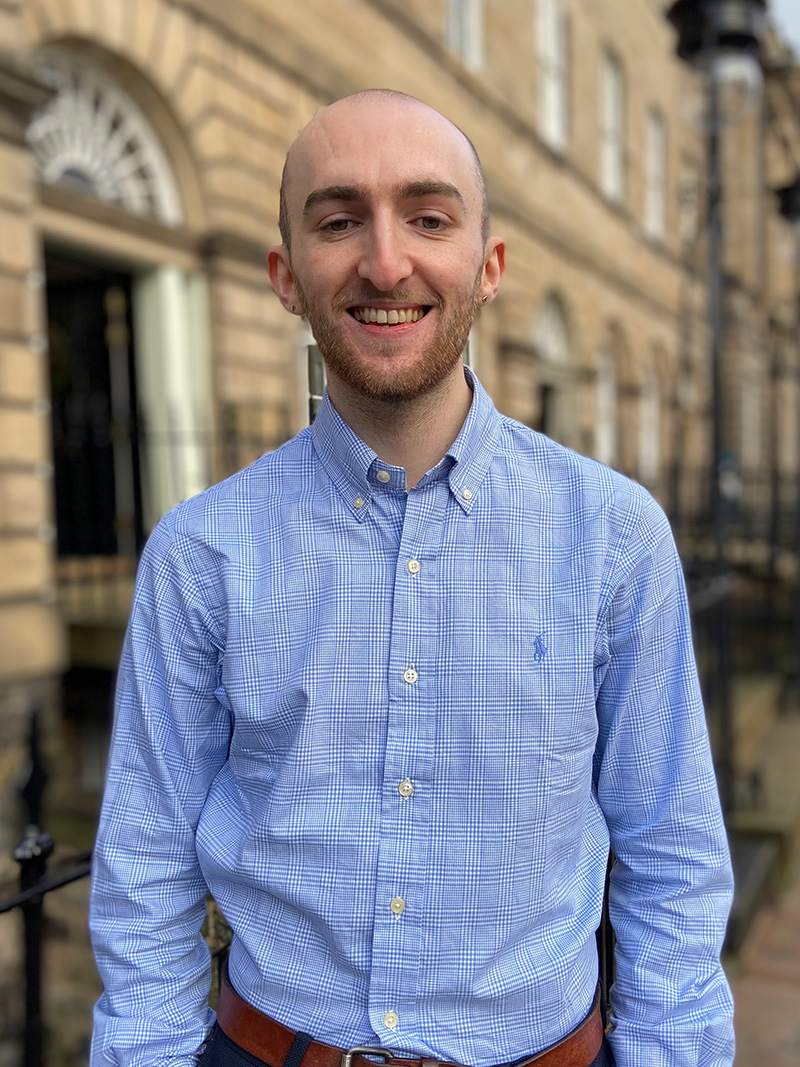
(292, 307)
(484, 299)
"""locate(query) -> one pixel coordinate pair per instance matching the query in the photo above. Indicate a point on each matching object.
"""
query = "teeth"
(388, 318)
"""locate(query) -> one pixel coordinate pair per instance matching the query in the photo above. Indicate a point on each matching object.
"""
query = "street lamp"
(718, 37)
(724, 25)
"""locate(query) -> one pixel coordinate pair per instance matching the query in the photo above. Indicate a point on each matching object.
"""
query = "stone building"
(143, 355)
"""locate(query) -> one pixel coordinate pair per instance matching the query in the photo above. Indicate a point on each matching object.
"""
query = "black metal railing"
(40, 875)
(35, 881)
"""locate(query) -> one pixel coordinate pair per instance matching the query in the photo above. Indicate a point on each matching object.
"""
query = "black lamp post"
(789, 206)
(709, 33)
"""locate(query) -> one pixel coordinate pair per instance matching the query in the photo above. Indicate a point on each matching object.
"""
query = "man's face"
(387, 257)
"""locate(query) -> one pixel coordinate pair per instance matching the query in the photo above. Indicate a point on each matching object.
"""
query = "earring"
(484, 299)
(292, 307)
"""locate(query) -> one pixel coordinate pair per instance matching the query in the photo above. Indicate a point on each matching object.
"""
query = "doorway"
(95, 424)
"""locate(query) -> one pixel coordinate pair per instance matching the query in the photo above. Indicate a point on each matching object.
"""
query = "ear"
(494, 264)
(282, 279)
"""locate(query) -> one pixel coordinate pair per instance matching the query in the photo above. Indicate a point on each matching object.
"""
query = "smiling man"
(393, 691)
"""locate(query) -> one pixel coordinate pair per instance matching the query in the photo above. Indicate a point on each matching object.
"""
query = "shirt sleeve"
(671, 885)
(170, 739)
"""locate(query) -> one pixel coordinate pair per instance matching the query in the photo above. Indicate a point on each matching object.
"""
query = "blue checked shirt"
(394, 734)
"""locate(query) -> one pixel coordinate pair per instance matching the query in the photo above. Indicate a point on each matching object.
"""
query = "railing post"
(32, 854)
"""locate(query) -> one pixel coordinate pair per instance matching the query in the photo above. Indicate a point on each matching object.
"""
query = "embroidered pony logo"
(539, 648)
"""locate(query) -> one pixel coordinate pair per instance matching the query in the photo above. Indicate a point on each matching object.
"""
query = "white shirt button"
(398, 906)
(406, 788)
(384, 476)
(391, 1019)
(413, 566)
(410, 675)
(466, 494)
(358, 502)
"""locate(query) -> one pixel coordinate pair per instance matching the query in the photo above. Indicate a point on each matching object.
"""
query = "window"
(555, 412)
(649, 430)
(316, 379)
(93, 139)
(689, 201)
(552, 40)
(464, 31)
(751, 423)
(551, 336)
(605, 447)
(612, 130)
(655, 165)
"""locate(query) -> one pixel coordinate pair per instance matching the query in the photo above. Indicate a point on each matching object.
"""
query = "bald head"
(319, 128)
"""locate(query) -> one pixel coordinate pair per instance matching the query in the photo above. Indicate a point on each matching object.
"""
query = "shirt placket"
(406, 815)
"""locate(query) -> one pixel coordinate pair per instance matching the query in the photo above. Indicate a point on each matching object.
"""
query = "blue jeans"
(220, 1051)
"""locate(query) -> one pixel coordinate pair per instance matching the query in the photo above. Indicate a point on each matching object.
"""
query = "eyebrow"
(358, 194)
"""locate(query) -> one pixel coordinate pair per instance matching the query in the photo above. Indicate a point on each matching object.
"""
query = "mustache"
(368, 294)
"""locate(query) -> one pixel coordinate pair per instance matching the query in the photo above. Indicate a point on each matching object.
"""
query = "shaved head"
(365, 96)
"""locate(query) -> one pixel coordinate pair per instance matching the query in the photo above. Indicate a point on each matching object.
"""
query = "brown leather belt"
(271, 1041)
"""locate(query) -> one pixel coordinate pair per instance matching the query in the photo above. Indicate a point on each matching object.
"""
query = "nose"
(385, 261)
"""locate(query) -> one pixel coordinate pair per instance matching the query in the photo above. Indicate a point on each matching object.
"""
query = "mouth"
(383, 316)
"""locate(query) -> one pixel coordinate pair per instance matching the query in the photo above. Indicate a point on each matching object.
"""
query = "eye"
(338, 225)
(431, 223)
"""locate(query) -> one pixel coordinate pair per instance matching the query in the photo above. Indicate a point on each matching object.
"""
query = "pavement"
(765, 979)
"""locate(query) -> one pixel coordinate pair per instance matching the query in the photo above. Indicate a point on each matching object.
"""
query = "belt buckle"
(365, 1050)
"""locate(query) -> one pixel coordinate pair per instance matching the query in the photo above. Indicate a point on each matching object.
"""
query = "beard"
(433, 365)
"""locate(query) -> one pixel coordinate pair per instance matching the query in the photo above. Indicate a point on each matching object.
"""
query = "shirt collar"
(352, 465)
(475, 447)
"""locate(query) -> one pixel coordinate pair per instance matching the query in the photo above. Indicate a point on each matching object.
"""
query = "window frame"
(655, 174)
(464, 31)
(613, 128)
(553, 59)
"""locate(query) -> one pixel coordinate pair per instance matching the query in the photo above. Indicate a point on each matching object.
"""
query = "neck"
(413, 434)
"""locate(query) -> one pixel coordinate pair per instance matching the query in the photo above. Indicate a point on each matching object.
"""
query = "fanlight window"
(92, 138)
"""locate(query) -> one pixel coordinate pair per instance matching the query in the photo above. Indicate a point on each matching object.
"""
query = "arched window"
(605, 448)
(551, 336)
(93, 139)
(554, 409)
(649, 430)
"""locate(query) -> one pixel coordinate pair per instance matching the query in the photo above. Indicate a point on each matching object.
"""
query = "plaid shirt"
(394, 733)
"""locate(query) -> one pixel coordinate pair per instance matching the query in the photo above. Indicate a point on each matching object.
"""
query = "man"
(391, 692)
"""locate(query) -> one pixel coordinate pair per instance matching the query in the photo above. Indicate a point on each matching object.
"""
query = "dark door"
(93, 391)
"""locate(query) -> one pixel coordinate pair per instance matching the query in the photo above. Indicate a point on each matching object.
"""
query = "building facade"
(143, 354)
